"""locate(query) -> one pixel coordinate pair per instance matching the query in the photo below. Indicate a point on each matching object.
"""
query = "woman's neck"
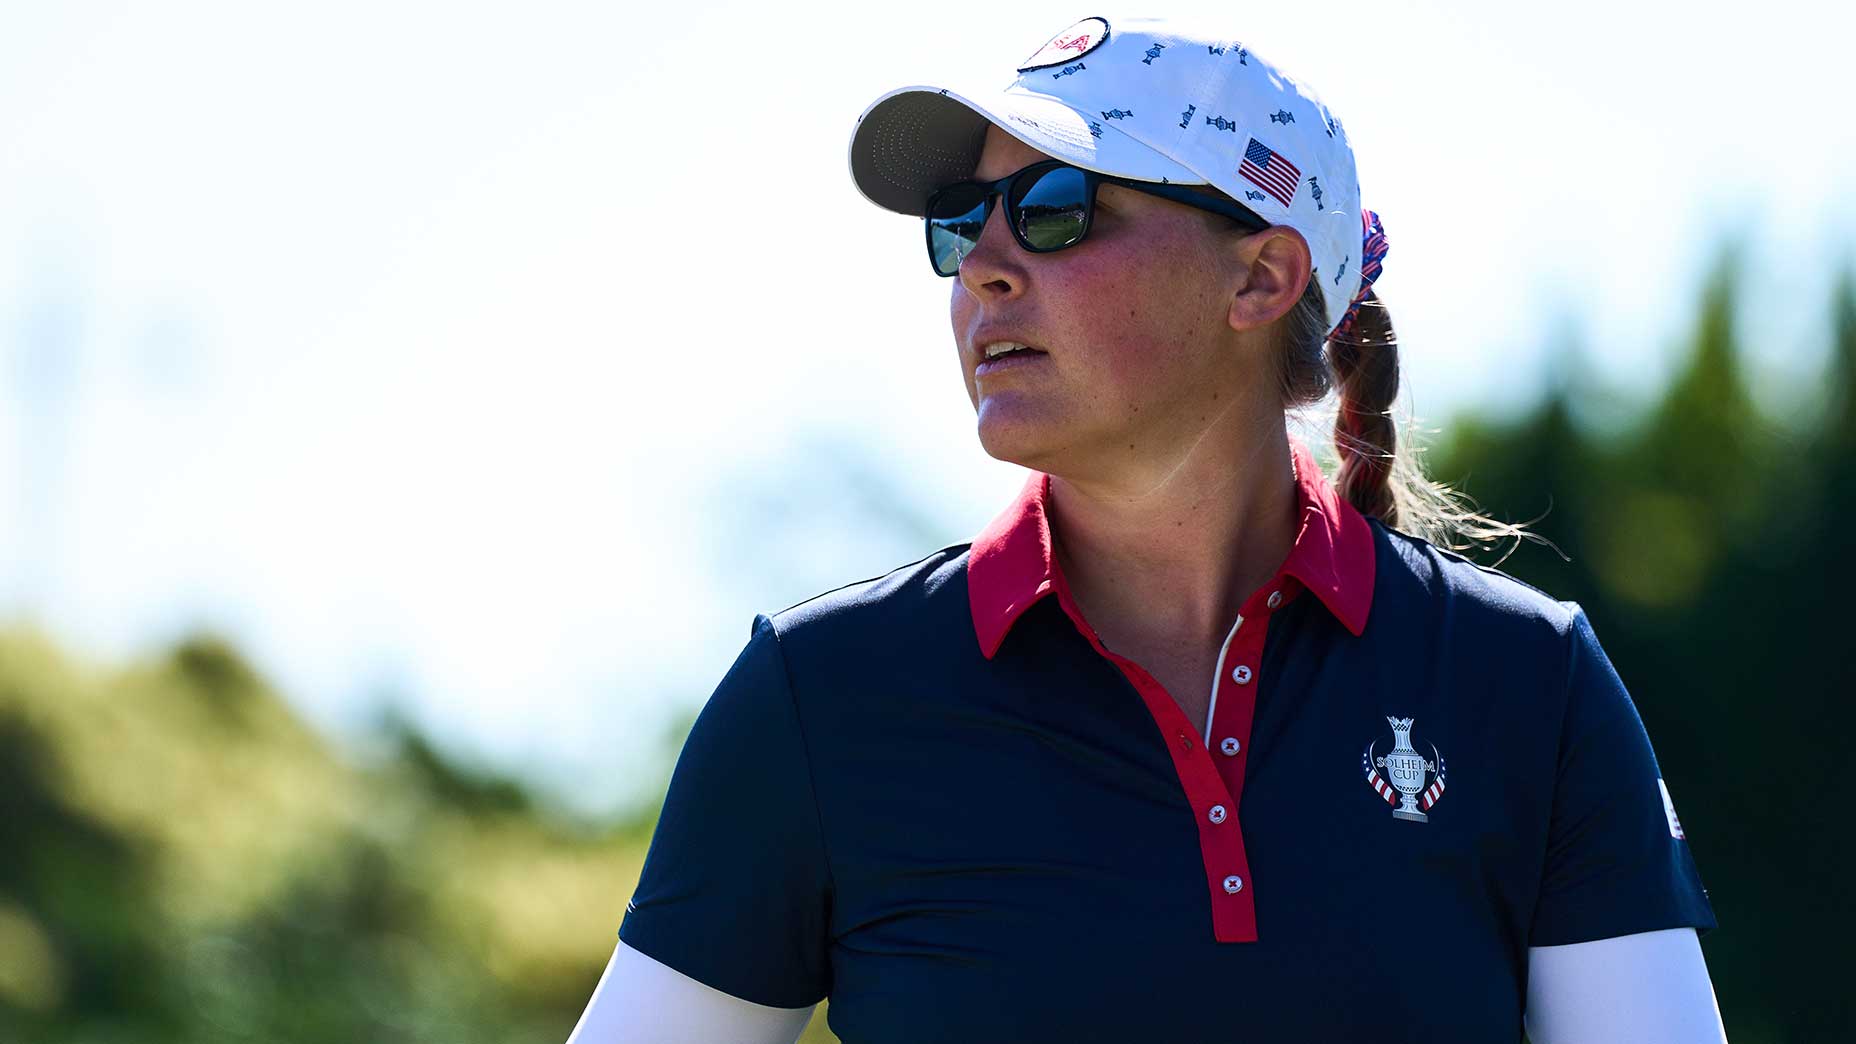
(1175, 561)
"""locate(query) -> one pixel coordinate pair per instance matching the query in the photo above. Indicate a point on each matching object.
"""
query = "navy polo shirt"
(938, 799)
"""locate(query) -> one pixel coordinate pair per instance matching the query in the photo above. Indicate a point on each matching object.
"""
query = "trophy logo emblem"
(1405, 769)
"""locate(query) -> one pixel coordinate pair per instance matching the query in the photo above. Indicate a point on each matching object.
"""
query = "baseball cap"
(1152, 99)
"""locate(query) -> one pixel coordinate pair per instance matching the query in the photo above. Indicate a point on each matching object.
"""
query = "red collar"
(1011, 564)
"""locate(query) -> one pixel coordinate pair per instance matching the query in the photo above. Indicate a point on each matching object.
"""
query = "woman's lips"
(1009, 361)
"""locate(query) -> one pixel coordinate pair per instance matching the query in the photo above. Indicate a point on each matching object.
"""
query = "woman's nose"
(995, 266)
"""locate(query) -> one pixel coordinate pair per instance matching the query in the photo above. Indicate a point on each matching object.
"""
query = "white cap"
(1149, 99)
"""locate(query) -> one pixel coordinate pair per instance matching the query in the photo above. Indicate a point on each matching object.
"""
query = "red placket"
(1012, 564)
(1211, 765)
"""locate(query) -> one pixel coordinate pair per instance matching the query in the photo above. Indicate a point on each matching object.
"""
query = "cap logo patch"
(1069, 45)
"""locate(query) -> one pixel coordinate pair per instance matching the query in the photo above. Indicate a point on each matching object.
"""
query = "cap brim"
(914, 140)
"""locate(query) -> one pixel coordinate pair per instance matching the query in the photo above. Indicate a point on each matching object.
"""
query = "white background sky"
(489, 359)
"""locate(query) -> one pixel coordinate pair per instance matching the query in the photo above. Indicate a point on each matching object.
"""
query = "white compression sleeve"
(641, 1001)
(1649, 988)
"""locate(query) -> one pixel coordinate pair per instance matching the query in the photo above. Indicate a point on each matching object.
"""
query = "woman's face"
(1144, 349)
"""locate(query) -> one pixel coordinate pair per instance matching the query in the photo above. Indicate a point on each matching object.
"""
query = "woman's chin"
(1007, 433)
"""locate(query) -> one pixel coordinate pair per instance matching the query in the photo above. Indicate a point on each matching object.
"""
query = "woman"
(1189, 744)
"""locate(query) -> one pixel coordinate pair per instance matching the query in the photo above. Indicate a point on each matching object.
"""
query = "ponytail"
(1379, 473)
(1363, 357)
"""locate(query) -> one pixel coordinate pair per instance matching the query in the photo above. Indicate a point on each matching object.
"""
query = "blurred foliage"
(184, 860)
(1705, 544)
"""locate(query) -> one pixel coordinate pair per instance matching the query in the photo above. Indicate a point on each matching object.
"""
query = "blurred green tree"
(1704, 542)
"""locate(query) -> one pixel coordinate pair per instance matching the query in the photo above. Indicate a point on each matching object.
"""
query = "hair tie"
(1372, 258)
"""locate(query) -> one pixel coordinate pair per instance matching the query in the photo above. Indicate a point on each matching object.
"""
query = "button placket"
(1205, 787)
(1233, 917)
(1233, 709)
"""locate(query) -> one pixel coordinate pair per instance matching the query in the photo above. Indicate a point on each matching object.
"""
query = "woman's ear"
(1275, 265)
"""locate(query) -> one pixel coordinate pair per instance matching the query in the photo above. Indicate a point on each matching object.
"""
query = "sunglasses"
(1049, 206)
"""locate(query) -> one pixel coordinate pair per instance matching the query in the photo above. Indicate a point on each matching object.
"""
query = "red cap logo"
(1069, 45)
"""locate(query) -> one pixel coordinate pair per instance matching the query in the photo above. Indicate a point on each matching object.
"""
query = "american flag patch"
(1276, 176)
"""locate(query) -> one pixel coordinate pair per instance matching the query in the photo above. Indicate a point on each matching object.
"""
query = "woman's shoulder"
(1416, 579)
(915, 603)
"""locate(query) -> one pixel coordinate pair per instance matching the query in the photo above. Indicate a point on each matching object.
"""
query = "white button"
(1217, 814)
(1233, 883)
(1241, 675)
(1275, 599)
(1230, 746)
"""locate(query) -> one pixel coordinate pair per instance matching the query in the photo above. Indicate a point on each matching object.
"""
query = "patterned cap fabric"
(1151, 99)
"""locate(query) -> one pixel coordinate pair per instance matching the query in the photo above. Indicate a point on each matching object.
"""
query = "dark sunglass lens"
(1053, 210)
(955, 218)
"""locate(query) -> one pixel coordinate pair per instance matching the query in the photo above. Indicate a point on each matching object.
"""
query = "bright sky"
(494, 363)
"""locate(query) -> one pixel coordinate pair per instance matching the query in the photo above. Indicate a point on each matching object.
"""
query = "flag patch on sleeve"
(1669, 811)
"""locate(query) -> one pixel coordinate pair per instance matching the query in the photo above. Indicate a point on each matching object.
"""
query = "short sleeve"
(735, 889)
(1617, 860)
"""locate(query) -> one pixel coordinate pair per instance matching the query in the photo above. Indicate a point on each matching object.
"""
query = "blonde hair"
(1379, 472)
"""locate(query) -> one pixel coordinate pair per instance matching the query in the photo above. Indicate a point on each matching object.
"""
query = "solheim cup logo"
(1405, 769)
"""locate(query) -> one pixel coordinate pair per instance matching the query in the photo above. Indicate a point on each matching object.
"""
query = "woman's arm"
(640, 1001)
(1649, 988)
